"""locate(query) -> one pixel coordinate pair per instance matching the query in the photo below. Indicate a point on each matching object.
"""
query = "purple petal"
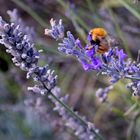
(121, 55)
(89, 37)
(78, 43)
(84, 64)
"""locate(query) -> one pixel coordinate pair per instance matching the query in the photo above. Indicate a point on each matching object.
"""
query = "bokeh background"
(26, 116)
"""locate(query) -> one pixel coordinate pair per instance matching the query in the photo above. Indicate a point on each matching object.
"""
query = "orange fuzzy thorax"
(98, 33)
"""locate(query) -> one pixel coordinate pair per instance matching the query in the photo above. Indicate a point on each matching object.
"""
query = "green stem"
(83, 122)
(132, 127)
(90, 6)
(30, 12)
(130, 109)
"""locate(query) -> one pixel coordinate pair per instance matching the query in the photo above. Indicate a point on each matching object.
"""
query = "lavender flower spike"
(112, 63)
(26, 56)
(57, 30)
(18, 45)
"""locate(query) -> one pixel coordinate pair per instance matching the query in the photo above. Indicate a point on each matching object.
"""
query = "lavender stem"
(71, 111)
(132, 77)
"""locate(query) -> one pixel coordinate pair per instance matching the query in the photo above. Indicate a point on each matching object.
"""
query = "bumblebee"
(101, 40)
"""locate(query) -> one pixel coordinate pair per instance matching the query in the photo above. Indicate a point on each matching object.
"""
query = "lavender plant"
(25, 56)
(113, 63)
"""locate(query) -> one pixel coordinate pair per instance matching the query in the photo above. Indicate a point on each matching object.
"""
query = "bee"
(101, 40)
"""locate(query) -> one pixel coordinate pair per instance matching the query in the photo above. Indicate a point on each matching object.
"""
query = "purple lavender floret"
(56, 31)
(68, 45)
(121, 55)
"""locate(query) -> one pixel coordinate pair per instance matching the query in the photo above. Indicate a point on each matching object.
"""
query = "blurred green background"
(24, 116)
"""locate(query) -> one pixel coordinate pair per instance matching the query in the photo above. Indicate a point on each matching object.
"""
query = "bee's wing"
(104, 43)
(113, 41)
